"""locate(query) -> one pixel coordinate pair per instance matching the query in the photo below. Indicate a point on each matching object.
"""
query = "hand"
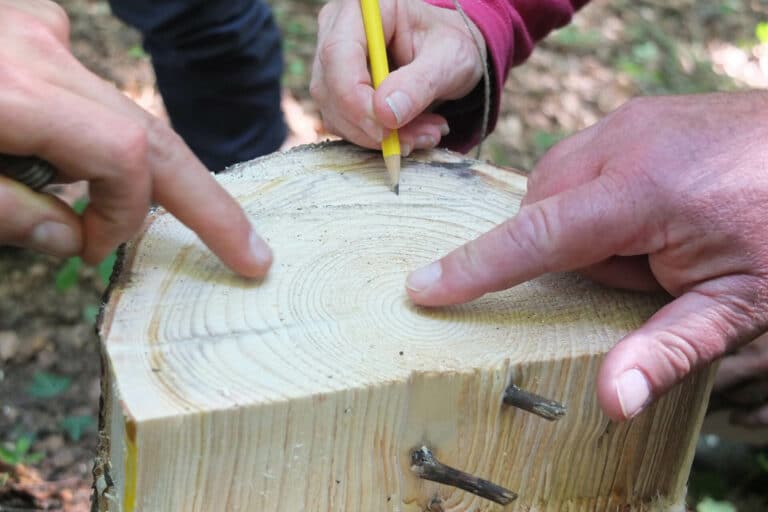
(52, 107)
(436, 59)
(665, 192)
(741, 384)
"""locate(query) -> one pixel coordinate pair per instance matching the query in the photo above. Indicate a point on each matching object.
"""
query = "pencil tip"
(393, 169)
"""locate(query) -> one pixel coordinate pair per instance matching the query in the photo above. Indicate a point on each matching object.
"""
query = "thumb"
(37, 221)
(431, 76)
(686, 334)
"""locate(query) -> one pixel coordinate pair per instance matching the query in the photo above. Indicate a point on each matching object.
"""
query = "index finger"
(570, 230)
(183, 186)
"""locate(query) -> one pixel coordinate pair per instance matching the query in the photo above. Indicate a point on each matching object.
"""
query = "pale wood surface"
(306, 392)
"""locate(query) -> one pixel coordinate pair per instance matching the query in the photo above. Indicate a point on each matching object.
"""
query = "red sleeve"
(510, 28)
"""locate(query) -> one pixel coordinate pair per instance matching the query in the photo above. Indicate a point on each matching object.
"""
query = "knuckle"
(162, 141)
(628, 113)
(678, 356)
(531, 235)
(41, 35)
(470, 260)
(132, 148)
(58, 21)
(317, 90)
(325, 14)
(327, 51)
(466, 57)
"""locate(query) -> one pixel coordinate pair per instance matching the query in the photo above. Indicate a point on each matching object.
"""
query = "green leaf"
(4, 479)
(762, 461)
(297, 67)
(15, 452)
(48, 385)
(80, 205)
(8, 454)
(34, 458)
(68, 274)
(542, 141)
(106, 266)
(137, 52)
(90, 313)
(23, 444)
(76, 426)
(761, 32)
(710, 505)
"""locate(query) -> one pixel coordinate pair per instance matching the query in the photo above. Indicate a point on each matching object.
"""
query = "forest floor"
(614, 50)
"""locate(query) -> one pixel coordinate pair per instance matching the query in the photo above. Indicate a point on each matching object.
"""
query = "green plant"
(90, 313)
(17, 452)
(68, 275)
(761, 32)
(76, 426)
(104, 269)
(137, 52)
(47, 385)
(542, 141)
(574, 37)
(762, 461)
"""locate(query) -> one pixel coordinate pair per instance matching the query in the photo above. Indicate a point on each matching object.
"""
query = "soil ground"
(49, 365)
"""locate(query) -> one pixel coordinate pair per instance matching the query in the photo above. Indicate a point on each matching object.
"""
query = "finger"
(52, 17)
(443, 71)
(339, 125)
(750, 361)
(123, 164)
(340, 73)
(67, 130)
(625, 272)
(424, 132)
(569, 163)
(181, 184)
(563, 232)
(691, 331)
(37, 221)
(757, 418)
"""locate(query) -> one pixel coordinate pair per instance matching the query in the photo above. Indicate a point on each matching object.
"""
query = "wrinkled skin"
(53, 107)
(436, 60)
(665, 192)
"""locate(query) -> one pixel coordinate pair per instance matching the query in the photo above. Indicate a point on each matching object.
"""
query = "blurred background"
(614, 50)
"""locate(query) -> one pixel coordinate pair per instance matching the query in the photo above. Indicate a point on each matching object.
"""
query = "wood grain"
(308, 391)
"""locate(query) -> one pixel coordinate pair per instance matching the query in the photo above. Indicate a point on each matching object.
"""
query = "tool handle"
(32, 171)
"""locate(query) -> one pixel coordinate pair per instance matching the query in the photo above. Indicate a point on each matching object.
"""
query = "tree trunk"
(314, 389)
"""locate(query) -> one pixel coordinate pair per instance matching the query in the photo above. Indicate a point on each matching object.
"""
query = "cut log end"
(309, 390)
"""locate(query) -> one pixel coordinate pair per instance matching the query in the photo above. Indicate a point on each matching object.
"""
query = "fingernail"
(261, 252)
(633, 391)
(423, 278)
(444, 129)
(400, 105)
(405, 149)
(425, 142)
(54, 238)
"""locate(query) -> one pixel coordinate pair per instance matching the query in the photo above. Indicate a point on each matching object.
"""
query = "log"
(324, 389)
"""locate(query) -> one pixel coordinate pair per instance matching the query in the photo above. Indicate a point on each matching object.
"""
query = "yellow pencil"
(377, 54)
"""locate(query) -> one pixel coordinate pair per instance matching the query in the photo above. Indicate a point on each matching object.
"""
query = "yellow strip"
(377, 54)
(131, 460)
